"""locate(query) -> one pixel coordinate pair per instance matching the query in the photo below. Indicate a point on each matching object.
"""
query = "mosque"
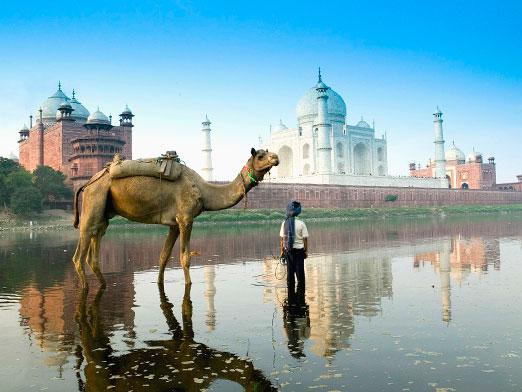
(70, 139)
(461, 172)
(325, 149)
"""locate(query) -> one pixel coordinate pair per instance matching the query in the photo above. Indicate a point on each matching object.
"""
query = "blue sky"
(246, 64)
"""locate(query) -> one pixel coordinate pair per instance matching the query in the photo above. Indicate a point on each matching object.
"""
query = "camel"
(178, 363)
(150, 200)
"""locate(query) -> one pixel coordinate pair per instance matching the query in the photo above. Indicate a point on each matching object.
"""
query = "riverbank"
(61, 220)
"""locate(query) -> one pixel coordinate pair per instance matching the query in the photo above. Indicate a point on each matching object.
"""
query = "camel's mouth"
(273, 160)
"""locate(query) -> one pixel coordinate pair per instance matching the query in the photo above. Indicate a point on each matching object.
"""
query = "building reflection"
(339, 287)
(456, 259)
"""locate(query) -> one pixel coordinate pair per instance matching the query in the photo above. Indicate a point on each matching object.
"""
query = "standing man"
(294, 246)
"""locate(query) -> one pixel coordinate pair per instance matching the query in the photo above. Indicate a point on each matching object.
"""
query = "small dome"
(454, 154)
(475, 156)
(363, 124)
(80, 113)
(24, 128)
(306, 108)
(280, 127)
(128, 111)
(65, 105)
(98, 117)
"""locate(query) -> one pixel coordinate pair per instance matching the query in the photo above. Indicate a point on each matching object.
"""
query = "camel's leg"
(167, 250)
(94, 254)
(79, 256)
(185, 229)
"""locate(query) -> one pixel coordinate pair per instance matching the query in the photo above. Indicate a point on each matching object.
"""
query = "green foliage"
(7, 167)
(391, 197)
(26, 200)
(24, 192)
(51, 184)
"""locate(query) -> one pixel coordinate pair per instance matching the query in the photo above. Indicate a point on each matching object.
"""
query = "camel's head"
(260, 163)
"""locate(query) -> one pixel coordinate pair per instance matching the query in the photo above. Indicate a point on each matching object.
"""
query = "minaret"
(207, 151)
(324, 147)
(41, 139)
(440, 161)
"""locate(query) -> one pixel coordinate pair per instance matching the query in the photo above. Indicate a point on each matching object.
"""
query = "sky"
(246, 64)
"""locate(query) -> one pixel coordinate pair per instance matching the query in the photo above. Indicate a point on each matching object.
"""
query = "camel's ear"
(253, 152)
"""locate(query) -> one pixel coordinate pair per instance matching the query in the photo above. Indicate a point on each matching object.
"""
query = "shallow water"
(389, 306)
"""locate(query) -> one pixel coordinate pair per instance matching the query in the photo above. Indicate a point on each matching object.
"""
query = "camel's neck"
(219, 197)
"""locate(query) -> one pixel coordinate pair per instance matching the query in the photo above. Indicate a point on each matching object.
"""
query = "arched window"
(306, 169)
(340, 150)
(464, 185)
(306, 151)
(285, 155)
(361, 159)
(380, 154)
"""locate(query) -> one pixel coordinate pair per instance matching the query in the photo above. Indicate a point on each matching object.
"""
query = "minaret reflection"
(210, 293)
(457, 258)
(445, 283)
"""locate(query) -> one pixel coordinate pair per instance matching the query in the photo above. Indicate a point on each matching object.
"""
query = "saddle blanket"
(166, 168)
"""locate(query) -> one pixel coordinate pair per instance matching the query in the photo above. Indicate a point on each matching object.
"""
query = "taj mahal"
(324, 149)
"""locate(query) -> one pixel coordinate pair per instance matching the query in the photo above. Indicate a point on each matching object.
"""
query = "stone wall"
(271, 195)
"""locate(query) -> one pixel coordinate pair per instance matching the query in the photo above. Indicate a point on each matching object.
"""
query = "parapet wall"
(271, 195)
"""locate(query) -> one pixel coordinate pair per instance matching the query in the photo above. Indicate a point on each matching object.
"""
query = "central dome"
(51, 105)
(306, 108)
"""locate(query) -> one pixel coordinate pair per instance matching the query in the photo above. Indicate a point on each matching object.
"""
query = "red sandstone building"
(470, 173)
(68, 138)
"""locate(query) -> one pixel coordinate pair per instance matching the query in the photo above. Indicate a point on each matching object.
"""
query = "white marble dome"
(280, 127)
(306, 108)
(454, 154)
(363, 124)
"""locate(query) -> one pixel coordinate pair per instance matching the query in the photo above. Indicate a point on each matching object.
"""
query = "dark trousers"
(295, 267)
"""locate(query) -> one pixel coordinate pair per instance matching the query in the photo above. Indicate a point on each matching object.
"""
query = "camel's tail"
(94, 178)
(76, 210)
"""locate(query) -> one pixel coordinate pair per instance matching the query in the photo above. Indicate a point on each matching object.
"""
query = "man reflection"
(296, 321)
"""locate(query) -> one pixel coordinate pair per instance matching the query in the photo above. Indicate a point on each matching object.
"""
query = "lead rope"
(280, 261)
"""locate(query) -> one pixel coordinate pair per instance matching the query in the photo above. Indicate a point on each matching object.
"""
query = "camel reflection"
(179, 363)
(297, 321)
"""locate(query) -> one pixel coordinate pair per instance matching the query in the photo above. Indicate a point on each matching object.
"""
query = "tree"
(7, 166)
(51, 184)
(26, 200)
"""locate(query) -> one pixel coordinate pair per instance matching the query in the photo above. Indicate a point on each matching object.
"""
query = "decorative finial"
(74, 92)
(59, 85)
(362, 119)
(373, 124)
(320, 80)
(110, 118)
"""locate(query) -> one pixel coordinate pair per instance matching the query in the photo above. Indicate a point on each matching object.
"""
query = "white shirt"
(300, 232)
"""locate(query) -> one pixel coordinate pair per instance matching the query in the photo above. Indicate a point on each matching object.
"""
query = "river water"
(411, 305)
